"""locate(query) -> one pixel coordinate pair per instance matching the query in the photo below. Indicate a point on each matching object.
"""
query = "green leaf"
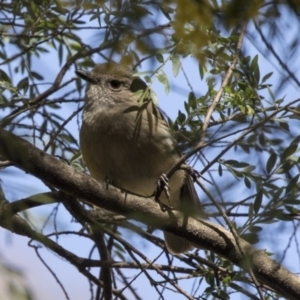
(95, 16)
(250, 211)
(202, 70)
(292, 184)
(175, 64)
(258, 201)
(291, 209)
(236, 164)
(251, 238)
(215, 71)
(23, 84)
(271, 93)
(192, 100)
(289, 151)
(37, 75)
(231, 162)
(187, 107)
(285, 126)
(271, 162)
(162, 77)
(60, 53)
(181, 117)
(246, 60)
(153, 97)
(247, 182)
(4, 76)
(160, 57)
(226, 280)
(249, 169)
(254, 65)
(67, 138)
(266, 77)
(76, 156)
(220, 170)
(255, 228)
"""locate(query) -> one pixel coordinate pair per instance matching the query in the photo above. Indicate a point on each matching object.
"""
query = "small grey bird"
(131, 145)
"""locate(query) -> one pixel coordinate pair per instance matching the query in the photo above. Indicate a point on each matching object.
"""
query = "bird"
(130, 144)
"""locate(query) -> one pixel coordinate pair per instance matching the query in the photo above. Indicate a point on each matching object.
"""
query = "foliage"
(247, 147)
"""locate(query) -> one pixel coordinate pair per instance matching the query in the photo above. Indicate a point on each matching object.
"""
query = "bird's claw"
(163, 186)
(193, 173)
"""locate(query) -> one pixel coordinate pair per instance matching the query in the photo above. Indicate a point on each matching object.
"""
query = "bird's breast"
(131, 155)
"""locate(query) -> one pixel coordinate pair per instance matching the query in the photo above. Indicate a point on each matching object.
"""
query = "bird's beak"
(85, 76)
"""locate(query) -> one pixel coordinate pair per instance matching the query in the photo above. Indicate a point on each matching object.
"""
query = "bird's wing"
(190, 202)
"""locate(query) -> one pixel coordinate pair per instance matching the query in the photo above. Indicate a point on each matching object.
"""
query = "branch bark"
(201, 233)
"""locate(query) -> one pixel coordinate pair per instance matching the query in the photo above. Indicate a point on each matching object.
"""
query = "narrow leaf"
(162, 77)
(271, 162)
(175, 64)
(257, 201)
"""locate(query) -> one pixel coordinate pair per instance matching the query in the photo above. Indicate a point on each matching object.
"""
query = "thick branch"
(202, 233)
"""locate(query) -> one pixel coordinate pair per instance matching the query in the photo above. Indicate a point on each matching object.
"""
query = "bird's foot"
(192, 172)
(163, 186)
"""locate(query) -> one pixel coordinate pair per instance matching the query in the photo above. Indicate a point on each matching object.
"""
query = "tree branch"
(202, 234)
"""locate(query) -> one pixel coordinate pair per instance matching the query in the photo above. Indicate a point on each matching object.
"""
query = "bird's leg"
(192, 172)
(162, 186)
(113, 183)
(106, 180)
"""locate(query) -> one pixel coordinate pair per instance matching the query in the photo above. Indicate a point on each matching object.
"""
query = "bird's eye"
(115, 84)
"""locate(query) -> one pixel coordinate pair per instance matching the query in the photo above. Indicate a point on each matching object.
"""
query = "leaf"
(289, 151)
(187, 107)
(271, 93)
(285, 126)
(153, 97)
(292, 184)
(258, 201)
(226, 280)
(162, 77)
(255, 228)
(175, 64)
(230, 162)
(246, 60)
(4, 76)
(202, 70)
(220, 170)
(291, 209)
(251, 238)
(23, 84)
(215, 71)
(249, 169)
(60, 53)
(37, 75)
(95, 16)
(192, 100)
(236, 164)
(250, 211)
(271, 162)
(160, 57)
(67, 138)
(181, 117)
(76, 156)
(247, 182)
(147, 79)
(266, 77)
(254, 65)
